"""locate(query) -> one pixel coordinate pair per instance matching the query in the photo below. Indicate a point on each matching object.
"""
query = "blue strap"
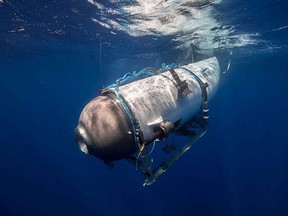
(203, 86)
(127, 78)
(127, 111)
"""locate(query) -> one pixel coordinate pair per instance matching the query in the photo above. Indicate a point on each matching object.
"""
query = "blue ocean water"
(56, 55)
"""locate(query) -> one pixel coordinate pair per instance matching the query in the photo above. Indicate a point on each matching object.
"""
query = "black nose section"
(104, 130)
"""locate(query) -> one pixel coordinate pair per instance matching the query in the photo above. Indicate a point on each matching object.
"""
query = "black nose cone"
(104, 130)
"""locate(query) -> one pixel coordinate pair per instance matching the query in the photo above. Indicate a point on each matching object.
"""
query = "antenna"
(100, 58)
(192, 52)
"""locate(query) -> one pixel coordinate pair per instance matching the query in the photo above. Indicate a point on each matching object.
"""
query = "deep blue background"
(238, 168)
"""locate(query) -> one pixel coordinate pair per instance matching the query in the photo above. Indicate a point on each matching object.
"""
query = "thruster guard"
(144, 107)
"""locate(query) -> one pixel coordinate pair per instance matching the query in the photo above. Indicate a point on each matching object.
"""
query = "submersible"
(146, 106)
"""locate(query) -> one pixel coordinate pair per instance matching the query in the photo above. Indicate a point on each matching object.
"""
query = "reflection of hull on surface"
(115, 124)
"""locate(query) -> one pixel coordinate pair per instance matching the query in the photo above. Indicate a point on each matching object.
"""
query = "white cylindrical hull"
(155, 98)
